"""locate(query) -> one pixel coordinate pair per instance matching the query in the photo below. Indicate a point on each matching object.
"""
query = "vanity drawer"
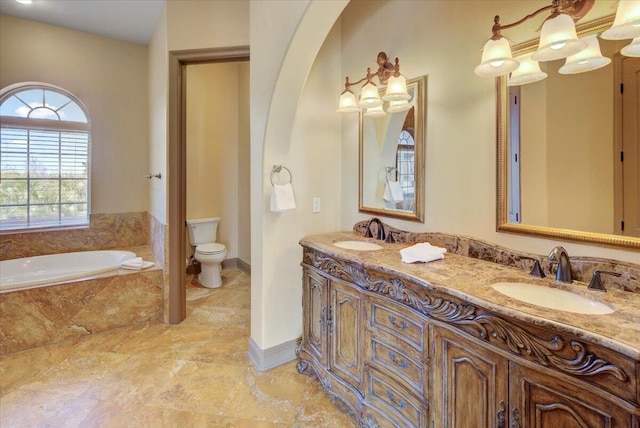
(390, 318)
(399, 365)
(391, 399)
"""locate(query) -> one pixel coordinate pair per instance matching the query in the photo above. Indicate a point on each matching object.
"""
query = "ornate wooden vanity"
(433, 345)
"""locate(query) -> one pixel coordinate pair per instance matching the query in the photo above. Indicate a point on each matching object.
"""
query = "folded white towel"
(393, 192)
(136, 264)
(423, 252)
(282, 198)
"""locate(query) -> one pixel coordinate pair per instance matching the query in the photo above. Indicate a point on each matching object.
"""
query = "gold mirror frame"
(419, 141)
(502, 224)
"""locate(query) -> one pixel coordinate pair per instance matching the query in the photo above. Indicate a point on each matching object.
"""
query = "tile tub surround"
(470, 279)
(582, 268)
(39, 316)
(157, 241)
(106, 231)
(195, 374)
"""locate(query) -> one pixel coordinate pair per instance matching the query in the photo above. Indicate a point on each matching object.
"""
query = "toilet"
(202, 235)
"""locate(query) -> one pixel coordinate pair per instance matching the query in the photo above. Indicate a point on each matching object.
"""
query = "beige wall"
(214, 109)
(158, 99)
(286, 37)
(110, 78)
(198, 24)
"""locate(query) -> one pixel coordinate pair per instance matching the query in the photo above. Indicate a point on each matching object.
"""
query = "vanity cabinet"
(402, 354)
(470, 387)
(476, 386)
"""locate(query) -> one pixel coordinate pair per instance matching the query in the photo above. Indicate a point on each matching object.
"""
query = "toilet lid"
(212, 248)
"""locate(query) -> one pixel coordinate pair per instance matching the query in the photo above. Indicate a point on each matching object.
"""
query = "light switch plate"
(316, 205)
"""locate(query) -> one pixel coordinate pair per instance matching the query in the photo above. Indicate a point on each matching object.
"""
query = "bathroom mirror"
(559, 143)
(392, 158)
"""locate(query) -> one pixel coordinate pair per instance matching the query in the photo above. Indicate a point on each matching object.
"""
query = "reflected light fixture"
(633, 49)
(528, 72)
(370, 100)
(25, 1)
(586, 60)
(558, 40)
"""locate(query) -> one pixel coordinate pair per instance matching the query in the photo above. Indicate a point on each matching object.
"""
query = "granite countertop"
(470, 279)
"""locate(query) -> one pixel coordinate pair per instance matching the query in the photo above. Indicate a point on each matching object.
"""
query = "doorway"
(176, 166)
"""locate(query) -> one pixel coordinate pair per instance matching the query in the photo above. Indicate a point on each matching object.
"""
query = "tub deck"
(39, 316)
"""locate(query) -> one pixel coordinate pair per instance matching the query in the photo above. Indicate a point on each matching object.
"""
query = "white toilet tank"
(203, 230)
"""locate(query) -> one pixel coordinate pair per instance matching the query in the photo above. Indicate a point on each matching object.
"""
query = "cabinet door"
(470, 387)
(544, 401)
(314, 302)
(345, 331)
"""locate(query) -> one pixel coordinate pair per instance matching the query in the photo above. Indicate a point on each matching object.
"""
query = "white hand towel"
(393, 192)
(136, 264)
(282, 198)
(423, 252)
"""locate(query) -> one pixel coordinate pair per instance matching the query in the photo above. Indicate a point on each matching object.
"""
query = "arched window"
(45, 136)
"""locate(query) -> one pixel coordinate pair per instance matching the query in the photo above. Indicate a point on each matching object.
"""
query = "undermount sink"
(552, 298)
(358, 245)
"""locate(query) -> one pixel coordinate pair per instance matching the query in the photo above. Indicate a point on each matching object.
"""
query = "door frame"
(176, 165)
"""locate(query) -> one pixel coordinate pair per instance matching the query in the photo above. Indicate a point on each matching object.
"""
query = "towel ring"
(390, 169)
(276, 170)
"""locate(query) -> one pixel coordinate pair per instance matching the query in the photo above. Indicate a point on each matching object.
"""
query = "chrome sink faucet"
(380, 235)
(559, 255)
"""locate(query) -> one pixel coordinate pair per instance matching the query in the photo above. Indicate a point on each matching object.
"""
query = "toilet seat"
(210, 249)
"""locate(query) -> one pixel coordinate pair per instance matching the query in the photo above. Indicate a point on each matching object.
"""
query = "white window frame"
(26, 123)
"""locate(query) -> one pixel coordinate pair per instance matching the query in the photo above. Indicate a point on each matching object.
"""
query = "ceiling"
(128, 20)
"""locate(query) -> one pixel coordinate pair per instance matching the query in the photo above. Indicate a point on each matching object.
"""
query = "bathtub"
(40, 271)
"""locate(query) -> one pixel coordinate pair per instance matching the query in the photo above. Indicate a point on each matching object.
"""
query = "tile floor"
(195, 374)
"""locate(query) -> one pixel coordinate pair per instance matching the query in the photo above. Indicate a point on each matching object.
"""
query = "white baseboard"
(266, 359)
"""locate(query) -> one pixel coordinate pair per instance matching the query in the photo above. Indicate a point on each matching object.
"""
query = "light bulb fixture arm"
(385, 70)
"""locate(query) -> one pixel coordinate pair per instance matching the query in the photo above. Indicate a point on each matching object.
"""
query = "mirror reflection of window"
(405, 155)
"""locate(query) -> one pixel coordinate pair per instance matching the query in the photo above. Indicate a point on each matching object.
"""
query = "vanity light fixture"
(25, 1)
(396, 94)
(558, 40)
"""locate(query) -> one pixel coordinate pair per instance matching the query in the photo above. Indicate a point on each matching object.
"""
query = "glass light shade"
(558, 39)
(626, 25)
(396, 89)
(528, 72)
(348, 103)
(633, 49)
(586, 60)
(398, 106)
(375, 112)
(369, 96)
(497, 59)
